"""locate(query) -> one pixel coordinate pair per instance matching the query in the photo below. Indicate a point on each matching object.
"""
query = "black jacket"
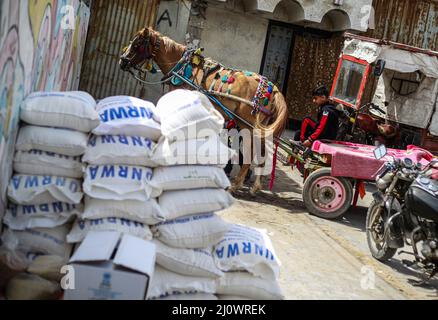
(328, 124)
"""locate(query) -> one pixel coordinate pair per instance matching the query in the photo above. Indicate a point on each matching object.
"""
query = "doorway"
(276, 58)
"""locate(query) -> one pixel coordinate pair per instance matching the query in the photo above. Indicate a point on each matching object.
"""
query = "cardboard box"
(111, 266)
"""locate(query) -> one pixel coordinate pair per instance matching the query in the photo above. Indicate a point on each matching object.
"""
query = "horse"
(257, 102)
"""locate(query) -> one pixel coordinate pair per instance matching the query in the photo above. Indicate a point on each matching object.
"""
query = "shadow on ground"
(286, 193)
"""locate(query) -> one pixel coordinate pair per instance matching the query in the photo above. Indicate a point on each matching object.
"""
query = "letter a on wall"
(165, 17)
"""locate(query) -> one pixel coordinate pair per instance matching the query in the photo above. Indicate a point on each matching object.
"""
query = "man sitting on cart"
(326, 127)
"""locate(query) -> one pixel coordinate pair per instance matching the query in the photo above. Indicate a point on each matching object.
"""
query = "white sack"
(127, 150)
(127, 116)
(40, 216)
(231, 298)
(247, 249)
(197, 231)
(24, 190)
(187, 115)
(72, 110)
(48, 267)
(246, 285)
(189, 177)
(118, 182)
(82, 227)
(190, 296)
(32, 287)
(208, 151)
(189, 262)
(165, 283)
(42, 163)
(60, 141)
(175, 204)
(44, 241)
(147, 212)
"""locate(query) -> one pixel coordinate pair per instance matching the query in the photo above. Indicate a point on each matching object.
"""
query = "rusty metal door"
(112, 26)
(276, 62)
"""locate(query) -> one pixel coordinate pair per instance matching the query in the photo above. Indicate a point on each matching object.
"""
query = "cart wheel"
(326, 196)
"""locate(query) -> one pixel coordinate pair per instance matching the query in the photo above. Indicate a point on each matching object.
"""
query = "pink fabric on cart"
(358, 161)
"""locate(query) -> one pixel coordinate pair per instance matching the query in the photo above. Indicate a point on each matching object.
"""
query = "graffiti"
(41, 42)
(165, 17)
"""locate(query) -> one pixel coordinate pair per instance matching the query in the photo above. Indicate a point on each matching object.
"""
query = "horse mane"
(169, 44)
(172, 45)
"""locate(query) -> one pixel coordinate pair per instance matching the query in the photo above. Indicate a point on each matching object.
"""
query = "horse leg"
(238, 181)
(257, 185)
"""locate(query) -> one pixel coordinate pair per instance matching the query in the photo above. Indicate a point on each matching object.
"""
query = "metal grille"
(112, 26)
(412, 22)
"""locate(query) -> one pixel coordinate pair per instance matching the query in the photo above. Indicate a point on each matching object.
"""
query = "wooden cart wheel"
(326, 196)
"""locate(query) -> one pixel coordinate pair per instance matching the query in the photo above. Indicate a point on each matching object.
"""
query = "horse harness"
(183, 72)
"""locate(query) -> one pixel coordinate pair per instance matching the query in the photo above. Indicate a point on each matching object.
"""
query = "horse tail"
(278, 119)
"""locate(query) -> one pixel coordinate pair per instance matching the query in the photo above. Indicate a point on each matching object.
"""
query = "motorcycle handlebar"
(375, 107)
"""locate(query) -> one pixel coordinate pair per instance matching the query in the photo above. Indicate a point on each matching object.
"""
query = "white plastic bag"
(28, 190)
(82, 227)
(191, 232)
(165, 283)
(72, 110)
(126, 150)
(60, 141)
(247, 249)
(127, 116)
(118, 182)
(175, 204)
(148, 212)
(244, 284)
(209, 151)
(40, 216)
(41, 240)
(189, 262)
(42, 163)
(187, 115)
(189, 177)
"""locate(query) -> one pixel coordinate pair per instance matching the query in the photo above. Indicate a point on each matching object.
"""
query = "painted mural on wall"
(41, 46)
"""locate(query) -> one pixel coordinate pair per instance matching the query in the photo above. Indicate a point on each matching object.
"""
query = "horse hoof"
(253, 192)
(231, 190)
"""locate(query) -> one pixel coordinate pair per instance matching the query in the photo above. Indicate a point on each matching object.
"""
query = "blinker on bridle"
(143, 50)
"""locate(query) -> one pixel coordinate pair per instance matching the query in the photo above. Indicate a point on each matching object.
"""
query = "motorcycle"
(361, 127)
(405, 213)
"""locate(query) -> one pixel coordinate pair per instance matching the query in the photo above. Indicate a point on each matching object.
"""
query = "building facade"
(296, 44)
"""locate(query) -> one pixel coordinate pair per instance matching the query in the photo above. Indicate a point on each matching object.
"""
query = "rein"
(175, 73)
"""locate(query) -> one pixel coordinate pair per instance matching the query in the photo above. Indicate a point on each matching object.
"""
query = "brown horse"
(234, 88)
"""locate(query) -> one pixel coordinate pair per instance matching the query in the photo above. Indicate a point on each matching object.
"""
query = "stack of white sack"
(191, 185)
(45, 192)
(119, 196)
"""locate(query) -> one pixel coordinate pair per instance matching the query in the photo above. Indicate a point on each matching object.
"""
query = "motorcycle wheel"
(326, 196)
(375, 229)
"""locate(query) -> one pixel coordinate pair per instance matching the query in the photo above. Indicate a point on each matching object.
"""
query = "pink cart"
(335, 172)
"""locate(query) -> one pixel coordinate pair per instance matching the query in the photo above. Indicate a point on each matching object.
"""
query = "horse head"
(141, 49)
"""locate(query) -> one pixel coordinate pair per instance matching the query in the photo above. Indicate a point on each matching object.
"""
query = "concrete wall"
(228, 37)
(322, 14)
(41, 45)
(172, 21)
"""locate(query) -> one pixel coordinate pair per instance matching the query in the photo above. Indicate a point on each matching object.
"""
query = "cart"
(335, 172)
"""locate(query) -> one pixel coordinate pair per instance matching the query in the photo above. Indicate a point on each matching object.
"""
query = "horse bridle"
(145, 52)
